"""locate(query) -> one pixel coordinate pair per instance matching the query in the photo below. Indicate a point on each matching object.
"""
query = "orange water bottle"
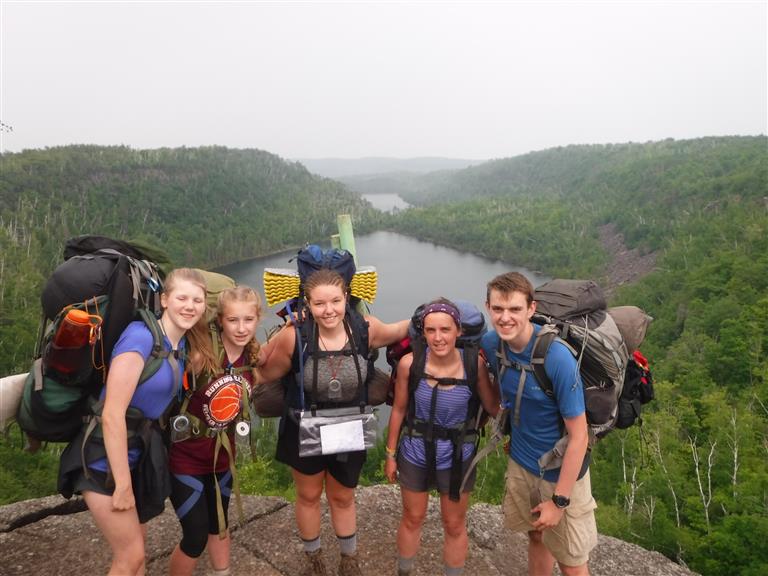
(74, 334)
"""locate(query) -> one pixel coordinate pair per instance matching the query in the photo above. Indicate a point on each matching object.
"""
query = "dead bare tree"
(656, 447)
(649, 506)
(732, 437)
(706, 494)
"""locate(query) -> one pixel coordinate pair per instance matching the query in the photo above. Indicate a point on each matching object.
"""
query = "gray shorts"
(414, 478)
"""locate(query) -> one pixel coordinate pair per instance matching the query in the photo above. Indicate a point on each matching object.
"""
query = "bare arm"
(123, 378)
(380, 334)
(397, 415)
(573, 459)
(489, 394)
(275, 356)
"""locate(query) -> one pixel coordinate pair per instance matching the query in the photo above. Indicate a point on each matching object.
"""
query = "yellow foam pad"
(281, 284)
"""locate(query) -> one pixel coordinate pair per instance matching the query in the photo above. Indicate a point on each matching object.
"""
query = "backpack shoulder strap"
(159, 353)
(471, 353)
(544, 338)
(359, 326)
(419, 350)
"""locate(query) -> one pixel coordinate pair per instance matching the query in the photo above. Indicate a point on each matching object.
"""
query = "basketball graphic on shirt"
(223, 400)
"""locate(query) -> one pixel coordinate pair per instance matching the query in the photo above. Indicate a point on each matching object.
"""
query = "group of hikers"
(126, 484)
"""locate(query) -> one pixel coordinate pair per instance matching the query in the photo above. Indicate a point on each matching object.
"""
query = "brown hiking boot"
(315, 566)
(348, 566)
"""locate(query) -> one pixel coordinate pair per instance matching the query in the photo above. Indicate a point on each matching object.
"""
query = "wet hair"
(510, 282)
(324, 277)
(442, 305)
(248, 295)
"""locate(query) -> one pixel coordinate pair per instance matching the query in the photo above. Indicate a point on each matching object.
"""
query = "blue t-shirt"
(540, 415)
(154, 395)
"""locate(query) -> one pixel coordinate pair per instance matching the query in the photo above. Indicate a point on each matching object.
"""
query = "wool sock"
(405, 565)
(453, 570)
(311, 545)
(348, 544)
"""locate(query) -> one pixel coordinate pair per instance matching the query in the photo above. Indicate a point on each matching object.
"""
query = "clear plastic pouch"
(336, 430)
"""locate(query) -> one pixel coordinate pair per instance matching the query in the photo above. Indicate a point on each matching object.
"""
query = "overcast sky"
(466, 80)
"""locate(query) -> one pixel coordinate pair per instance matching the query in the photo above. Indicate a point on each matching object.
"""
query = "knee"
(454, 527)
(130, 558)
(342, 501)
(309, 497)
(412, 522)
(581, 570)
(535, 537)
(193, 544)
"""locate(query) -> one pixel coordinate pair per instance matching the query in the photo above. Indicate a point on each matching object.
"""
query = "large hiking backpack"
(473, 328)
(575, 312)
(107, 278)
(272, 398)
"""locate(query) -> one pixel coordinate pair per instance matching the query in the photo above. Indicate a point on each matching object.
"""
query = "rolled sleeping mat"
(11, 392)
(281, 284)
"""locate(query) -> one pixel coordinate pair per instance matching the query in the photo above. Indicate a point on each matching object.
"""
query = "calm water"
(386, 202)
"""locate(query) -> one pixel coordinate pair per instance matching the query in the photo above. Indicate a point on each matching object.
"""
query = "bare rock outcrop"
(624, 266)
(54, 537)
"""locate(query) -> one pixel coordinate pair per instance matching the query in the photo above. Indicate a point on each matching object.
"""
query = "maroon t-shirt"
(195, 456)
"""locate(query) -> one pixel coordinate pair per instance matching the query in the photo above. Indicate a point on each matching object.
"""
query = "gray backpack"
(574, 311)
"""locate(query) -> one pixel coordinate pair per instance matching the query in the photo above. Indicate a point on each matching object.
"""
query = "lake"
(386, 202)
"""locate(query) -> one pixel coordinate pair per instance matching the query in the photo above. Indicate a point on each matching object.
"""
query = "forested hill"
(203, 206)
(584, 168)
(692, 482)
(544, 210)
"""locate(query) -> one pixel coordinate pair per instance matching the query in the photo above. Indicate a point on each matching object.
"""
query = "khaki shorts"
(571, 541)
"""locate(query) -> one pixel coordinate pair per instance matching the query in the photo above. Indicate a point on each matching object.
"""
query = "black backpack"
(107, 278)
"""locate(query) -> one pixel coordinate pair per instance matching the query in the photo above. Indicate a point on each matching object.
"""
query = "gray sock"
(405, 565)
(453, 571)
(348, 544)
(311, 545)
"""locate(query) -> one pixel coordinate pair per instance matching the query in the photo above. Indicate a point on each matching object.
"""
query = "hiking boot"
(348, 566)
(315, 564)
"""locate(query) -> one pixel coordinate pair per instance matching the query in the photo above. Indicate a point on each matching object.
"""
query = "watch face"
(561, 501)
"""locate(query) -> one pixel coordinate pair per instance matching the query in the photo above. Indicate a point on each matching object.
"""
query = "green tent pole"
(347, 242)
(346, 234)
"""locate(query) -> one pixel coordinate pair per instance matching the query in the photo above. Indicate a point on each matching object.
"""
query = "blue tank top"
(450, 411)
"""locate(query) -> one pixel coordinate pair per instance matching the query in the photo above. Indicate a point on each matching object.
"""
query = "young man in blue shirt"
(555, 507)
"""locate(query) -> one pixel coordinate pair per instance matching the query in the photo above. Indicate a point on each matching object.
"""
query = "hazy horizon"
(403, 80)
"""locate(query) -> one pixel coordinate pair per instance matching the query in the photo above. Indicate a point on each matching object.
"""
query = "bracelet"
(390, 451)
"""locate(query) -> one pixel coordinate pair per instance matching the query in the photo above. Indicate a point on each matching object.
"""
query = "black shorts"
(345, 467)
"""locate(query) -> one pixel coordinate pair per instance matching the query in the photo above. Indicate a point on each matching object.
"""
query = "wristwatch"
(561, 501)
